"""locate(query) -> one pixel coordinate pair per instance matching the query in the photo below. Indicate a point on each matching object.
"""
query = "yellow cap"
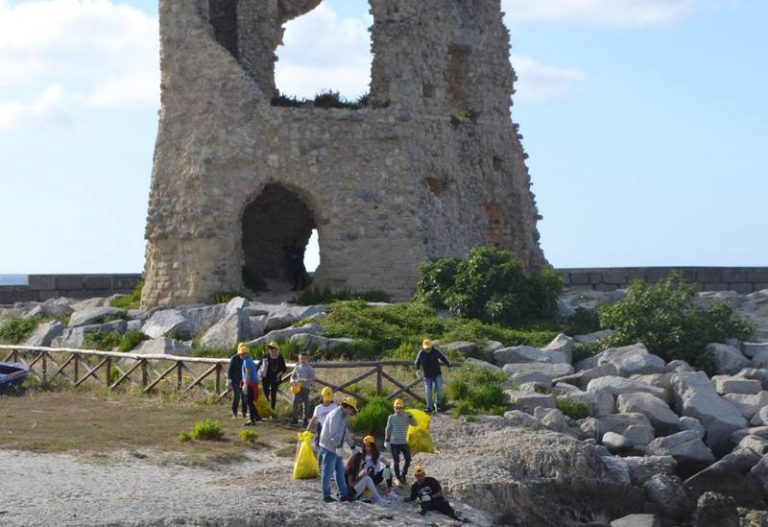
(426, 344)
(273, 344)
(327, 394)
(399, 403)
(350, 401)
(243, 348)
(369, 440)
(296, 388)
(419, 470)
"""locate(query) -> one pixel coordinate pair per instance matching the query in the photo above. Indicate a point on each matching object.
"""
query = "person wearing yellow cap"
(301, 381)
(235, 379)
(272, 369)
(429, 359)
(332, 438)
(428, 492)
(318, 417)
(394, 439)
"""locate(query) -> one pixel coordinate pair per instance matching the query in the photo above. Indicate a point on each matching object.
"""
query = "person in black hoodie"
(235, 377)
(429, 359)
(272, 369)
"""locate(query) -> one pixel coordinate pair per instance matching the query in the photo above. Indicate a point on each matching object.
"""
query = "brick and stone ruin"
(431, 166)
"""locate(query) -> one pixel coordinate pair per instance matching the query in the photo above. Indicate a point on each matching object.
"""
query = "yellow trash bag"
(262, 405)
(306, 466)
(418, 437)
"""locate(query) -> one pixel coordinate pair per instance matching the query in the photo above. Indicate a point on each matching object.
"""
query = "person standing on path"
(301, 381)
(334, 434)
(429, 359)
(395, 439)
(318, 418)
(235, 378)
(272, 369)
(250, 383)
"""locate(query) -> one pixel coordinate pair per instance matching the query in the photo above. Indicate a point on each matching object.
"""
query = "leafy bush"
(16, 329)
(457, 390)
(122, 314)
(666, 319)
(185, 436)
(248, 436)
(372, 417)
(489, 285)
(476, 390)
(102, 340)
(131, 339)
(573, 408)
(207, 429)
(487, 396)
(582, 322)
(132, 301)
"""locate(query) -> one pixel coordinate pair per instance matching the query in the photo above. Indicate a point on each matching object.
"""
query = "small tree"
(490, 285)
(666, 319)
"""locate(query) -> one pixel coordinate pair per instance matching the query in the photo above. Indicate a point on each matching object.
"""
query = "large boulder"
(311, 342)
(283, 334)
(690, 452)
(477, 363)
(90, 317)
(514, 371)
(529, 477)
(632, 359)
(757, 374)
(173, 321)
(563, 344)
(637, 520)
(749, 404)
(668, 494)
(75, 337)
(518, 354)
(163, 346)
(52, 308)
(663, 419)
(44, 333)
(619, 423)
(228, 332)
(735, 384)
(728, 359)
(730, 476)
(528, 402)
(716, 510)
(582, 378)
(750, 349)
(643, 468)
(618, 385)
(696, 397)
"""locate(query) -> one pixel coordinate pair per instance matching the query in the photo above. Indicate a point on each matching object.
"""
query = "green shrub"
(582, 322)
(16, 329)
(131, 339)
(489, 285)
(313, 296)
(102, 340)
(372, 417)
(248, 436)
(174, 334)
(666, 319)
(207, 429)
(573, 408)
(185, 436)
(464, 408)
(457, 390)
(477, 390)
(132, 301)
(487, 396)
(121, 314)
(224, 296)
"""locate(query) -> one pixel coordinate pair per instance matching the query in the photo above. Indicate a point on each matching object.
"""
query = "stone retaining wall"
(739, 279)
(41, 287)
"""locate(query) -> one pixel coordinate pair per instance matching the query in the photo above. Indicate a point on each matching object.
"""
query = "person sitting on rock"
(372, 463)
(358, 482)
(428, 492)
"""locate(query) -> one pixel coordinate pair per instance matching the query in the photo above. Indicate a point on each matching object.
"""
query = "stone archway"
(273, 222)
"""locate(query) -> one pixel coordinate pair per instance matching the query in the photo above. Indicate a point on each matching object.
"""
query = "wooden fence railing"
(182, 374)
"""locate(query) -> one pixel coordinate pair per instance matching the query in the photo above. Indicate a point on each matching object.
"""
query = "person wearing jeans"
(272, 369)
(429, 359)
(235, 378)
(332, 438)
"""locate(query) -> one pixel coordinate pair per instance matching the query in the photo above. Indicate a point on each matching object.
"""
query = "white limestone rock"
(733, 384)
(663, 419)
(619, 385)
(552, 371)
(631, 360)
(89, 317)
(44, 333)
(169, 320)
(687, 448)
(728, 360)
(749, 405)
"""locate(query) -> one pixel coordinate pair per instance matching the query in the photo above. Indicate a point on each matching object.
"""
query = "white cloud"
(598, 12)
(538, 82)
(322, 51)
(96, 53)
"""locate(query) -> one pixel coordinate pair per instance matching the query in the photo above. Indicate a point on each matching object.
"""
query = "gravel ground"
(125, 489)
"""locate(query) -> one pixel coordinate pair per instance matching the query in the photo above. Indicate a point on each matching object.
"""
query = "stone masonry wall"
(388, 186)
(41, 287)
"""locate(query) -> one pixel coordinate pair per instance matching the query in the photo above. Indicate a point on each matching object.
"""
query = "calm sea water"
(13, 279)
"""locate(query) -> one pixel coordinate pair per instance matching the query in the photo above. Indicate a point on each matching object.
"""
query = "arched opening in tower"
(277, 226)
(327, 50)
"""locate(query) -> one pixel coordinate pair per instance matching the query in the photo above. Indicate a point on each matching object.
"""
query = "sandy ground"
(150, 489)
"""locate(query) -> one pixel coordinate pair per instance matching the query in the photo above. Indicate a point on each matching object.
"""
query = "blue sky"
(646, 122)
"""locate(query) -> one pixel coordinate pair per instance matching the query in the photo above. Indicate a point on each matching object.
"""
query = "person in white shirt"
(318, 418)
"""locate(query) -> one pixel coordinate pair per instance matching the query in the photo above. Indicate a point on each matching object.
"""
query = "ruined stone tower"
(409, 178)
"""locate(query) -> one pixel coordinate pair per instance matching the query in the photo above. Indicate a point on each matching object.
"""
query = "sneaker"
(398, 482)
(328, 499)
(347, 498)
(428, 410)
(250, 423)
(438, 409)
(294, 421)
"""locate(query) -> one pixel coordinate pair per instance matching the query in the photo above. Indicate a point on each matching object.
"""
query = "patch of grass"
(476, 390)
(174, 334)
(372, 417)
(288, 451)
(131, 301)
(185, 436)
(585, 351)
(121, 314)
(572, 408)
(102, 340)
(313, 296)
(248, 436)
(224, 297)
(206, 430)
(17, 329)
(324, 99)
(131, 339)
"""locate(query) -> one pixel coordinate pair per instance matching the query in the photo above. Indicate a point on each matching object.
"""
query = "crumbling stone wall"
(406, 179)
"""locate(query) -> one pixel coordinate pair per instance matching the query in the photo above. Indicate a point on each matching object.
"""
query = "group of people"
(365, 475)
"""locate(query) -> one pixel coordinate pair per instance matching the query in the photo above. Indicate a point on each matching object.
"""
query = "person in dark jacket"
(235, 378)
(429, 359)
(272, 369)
(428, 492)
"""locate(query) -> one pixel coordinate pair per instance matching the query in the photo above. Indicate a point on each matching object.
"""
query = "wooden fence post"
(143, 373)
(45, 367)
(179, 374)
(77, 366)
(379, 388)
(108, 371)
(218, 379)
